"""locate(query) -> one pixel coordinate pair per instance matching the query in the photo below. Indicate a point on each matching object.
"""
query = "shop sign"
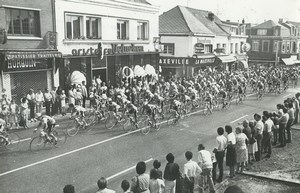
(173, 61)
(31, 55)
(203, 41)
(26, 64)
(127, 72)
(114, 50)
(199, 61)
(199, 48)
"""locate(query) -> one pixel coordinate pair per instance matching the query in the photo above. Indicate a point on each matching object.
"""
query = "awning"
(297, 61)
(42, 54)
(227, 58)
(288, 61)
(245, 63)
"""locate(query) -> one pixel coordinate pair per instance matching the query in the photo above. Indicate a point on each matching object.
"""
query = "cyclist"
(160, 101)
(150, 109)
(193, 93)
(80, 112)
(47, 123)
(3, 135)
(223, 95)
(113, 107)
(176, 105)
(132, 110)
(208, 99)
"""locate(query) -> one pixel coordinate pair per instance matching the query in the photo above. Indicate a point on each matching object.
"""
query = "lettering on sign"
(26, 64)
(115, 49)
(174, 61)
(204, 61)
(199, 48)
(31, 55)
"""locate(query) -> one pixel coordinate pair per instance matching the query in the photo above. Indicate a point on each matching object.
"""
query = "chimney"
(228, 20)
(280, 20)
(211, 16)
(243, 21)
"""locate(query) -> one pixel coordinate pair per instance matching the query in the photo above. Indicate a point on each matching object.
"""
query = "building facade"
(273, 43)
(124, 29)
(28, 55)
(199, 38)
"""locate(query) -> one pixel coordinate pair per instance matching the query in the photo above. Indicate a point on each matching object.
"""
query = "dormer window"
(261, 32)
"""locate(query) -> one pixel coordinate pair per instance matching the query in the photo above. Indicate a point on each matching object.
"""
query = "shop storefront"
(24, 70)
(185, 67)
(114, 57)
(227, 62)
(173, 66)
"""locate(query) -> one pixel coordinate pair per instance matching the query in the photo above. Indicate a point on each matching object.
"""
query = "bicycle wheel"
(127, 126)
(37, 143)
(61, 138)
(171, 118)
(91, 121)
(73, 128)
(14, 140)
(156, 126)
(146, 127)
(110, 122)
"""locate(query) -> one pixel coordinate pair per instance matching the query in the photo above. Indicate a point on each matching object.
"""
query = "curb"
(266, 177)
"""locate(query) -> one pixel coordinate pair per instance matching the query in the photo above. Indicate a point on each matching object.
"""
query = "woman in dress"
(241, 150)
(231, 152)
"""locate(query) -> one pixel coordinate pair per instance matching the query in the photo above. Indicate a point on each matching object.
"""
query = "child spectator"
(156, 185)
(156, 165)
(13, 117)
(69, 189)
(125, 186)
(63, 102)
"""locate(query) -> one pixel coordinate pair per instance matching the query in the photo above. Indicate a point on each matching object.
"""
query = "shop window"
(236, 48)
(288, 47)
(169, 49)
(23, 22)
(265, 46)
(142, 31)
(97, 63)
(218, 45)
(208, 48)
(122, 30)
(74, 27)
(283, 47)
(276, 32)
(275, 47)
(231, 48)
(224, 46)
(93, 28)
(261, 32)
(255, 46)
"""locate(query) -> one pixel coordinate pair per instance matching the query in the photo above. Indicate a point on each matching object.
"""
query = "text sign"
(199, 48)
(26, 64)
(173, 61)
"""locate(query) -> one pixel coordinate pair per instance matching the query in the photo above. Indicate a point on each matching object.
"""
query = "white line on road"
(67, 153)
(131, 168)
(287, 95)
(250, 94)
(22, 140)
(239, 119)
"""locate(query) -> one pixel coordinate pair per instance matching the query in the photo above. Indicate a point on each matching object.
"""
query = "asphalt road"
(113, 154)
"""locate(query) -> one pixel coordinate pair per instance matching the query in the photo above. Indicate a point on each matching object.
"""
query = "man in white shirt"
(190, 170)
(259, 127)
(267, 133)
(219, 151)
(205, 162)
(102, 185)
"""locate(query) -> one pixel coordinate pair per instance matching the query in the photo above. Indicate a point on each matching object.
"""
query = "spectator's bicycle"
(39, 142)
(12, 141)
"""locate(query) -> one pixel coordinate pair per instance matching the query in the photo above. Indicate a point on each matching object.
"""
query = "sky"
(253, 11)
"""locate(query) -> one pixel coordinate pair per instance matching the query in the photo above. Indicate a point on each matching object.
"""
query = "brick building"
(272, 43)
(28, 55)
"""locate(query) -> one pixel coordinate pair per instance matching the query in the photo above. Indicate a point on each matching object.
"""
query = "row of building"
(43, 42)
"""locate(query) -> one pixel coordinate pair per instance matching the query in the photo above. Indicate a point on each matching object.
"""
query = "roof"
(294, 23)
(267, 24)
(186, 20)
(231, 23)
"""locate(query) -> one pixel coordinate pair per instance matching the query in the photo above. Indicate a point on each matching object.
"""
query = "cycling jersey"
(113, 106)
